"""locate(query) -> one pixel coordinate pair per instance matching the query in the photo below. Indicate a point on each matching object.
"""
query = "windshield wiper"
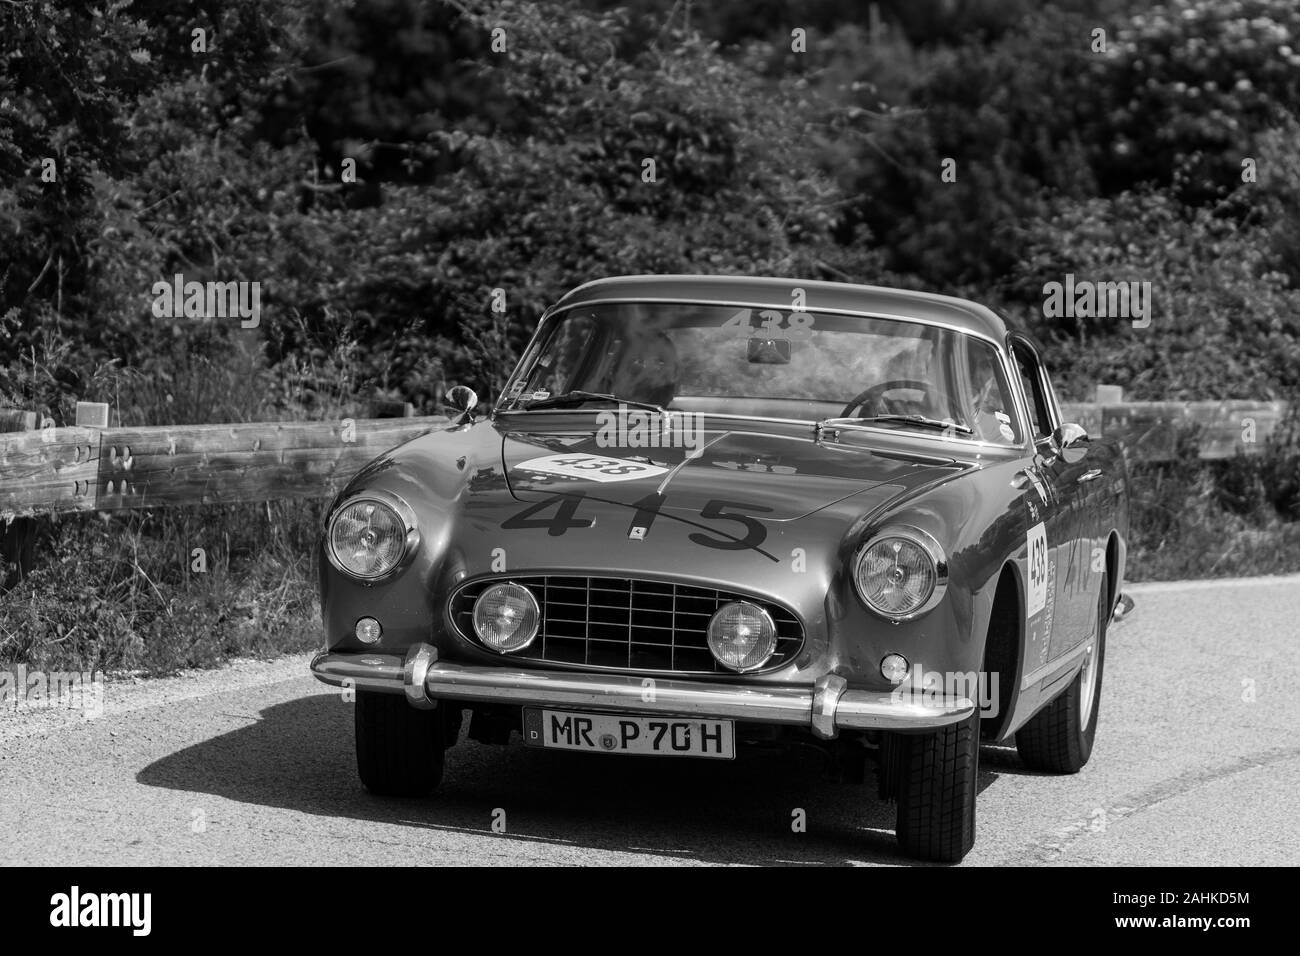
(921, 420)
(578, 396)
(908, 419)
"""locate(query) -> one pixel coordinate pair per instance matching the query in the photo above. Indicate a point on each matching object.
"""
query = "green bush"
(120, 593)
(1225, 323)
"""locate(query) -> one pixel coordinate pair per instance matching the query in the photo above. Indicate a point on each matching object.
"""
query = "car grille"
(627, 624)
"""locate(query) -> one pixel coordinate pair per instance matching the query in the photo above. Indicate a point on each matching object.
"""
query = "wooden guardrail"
(97, 469)
(48, 470)
(1150, 431)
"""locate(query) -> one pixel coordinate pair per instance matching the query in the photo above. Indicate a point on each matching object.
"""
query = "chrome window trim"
(1054, 419)
(783, 306)
(806, 422)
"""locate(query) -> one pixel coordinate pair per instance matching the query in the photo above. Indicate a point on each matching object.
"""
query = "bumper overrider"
(825, 707)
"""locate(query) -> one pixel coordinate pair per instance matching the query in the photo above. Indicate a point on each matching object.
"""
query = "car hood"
(784, 477)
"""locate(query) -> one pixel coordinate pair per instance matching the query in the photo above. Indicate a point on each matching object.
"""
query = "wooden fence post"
(17, 537)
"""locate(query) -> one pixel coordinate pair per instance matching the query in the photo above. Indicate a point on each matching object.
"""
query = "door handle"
(1089, 475)
(1025, 477)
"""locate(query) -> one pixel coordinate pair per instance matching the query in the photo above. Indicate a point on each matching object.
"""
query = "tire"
(1058, 739)
(937, 784)
(399, 748)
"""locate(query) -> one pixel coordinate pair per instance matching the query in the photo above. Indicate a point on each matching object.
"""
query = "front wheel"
(1059, 738)
(937, 783)
(399, 749)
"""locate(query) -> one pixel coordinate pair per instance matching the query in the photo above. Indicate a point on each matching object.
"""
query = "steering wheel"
(873, 395)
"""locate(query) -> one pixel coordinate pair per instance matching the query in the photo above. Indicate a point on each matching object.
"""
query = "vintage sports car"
(712, 512)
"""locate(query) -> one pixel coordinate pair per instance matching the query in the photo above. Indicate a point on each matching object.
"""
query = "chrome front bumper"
(825, 707)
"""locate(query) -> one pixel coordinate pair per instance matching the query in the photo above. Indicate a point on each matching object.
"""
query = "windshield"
(768, 363)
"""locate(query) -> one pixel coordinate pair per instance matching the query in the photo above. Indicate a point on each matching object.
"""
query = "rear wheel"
(938, 775)
(399, 748)
(1058, 739)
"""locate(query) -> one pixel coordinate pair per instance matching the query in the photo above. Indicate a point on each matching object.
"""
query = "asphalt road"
(1197, 762)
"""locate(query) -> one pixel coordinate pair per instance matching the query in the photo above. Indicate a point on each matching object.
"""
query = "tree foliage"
(608, 138)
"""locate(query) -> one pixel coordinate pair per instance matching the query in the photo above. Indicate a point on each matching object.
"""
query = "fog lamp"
(893, 668)
(742, 636)
(368, 630)
(506, 617)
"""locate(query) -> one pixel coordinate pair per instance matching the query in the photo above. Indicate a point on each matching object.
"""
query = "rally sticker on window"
(1037, 596)
(591, 467)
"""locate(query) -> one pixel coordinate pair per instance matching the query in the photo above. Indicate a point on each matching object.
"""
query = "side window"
(989, 399)
(1031, 381)
(569, 351)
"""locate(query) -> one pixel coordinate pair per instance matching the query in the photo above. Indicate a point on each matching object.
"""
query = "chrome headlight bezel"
(929, 546)
(405, 516)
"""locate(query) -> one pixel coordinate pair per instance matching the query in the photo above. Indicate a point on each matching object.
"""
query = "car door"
(1071, 580)
(1088, 482)
(1051, 522)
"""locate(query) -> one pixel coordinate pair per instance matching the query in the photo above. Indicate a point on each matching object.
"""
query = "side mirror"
(1073, 442)
(463, 399)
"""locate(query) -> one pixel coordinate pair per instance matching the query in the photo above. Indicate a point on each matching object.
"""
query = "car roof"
(820, 296)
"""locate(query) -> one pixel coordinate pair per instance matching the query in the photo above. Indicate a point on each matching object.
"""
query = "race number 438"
(1037, 540)
(592, 467)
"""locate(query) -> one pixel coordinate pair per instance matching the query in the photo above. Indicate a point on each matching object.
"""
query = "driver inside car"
(650, 370)
(988, 418)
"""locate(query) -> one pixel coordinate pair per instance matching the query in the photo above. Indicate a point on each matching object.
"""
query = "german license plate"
(622, 734)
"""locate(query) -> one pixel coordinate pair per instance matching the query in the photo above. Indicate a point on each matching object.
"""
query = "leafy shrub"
(1191, 86)
(1225, 324)
(120, 593)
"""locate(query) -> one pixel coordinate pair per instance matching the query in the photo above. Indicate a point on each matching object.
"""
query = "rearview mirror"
(768, 351)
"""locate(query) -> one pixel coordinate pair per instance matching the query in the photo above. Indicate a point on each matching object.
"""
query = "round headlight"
(368, 538)
(506, 617)
(742, 636)
(901, 573)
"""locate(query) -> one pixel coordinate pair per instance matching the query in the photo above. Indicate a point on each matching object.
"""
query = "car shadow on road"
(299, 756)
